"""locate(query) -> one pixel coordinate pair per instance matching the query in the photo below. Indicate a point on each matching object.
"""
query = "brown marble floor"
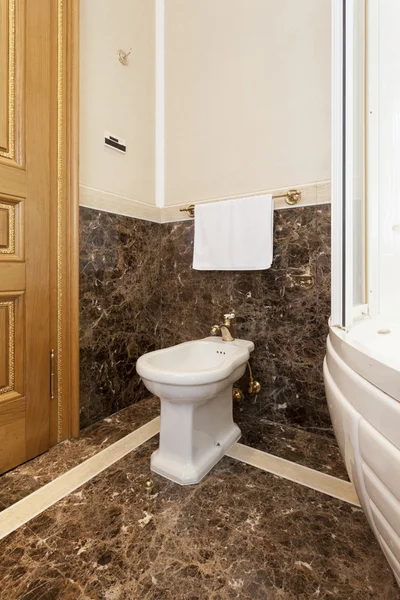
(27, 478)
(297, 445)
(241, 533)
(312, 450)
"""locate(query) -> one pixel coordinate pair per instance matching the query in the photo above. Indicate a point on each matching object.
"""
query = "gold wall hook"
(123, 56)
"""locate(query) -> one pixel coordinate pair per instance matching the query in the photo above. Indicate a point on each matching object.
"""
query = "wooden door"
(28, 168)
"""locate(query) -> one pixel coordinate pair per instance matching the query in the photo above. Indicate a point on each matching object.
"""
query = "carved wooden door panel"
(25, 192)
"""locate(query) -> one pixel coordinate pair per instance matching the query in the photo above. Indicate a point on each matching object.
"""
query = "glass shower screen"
(348, 160)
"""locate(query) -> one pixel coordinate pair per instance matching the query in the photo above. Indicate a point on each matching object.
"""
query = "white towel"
(234, 235)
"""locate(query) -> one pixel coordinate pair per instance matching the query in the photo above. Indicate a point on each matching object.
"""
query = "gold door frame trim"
(10, 304)
(64, 421)
(60, 213)
(10, 152)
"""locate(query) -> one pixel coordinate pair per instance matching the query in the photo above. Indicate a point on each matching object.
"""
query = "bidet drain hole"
(384, 331)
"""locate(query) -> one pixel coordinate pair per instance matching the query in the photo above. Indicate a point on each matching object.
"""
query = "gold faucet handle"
(215, 329)
(229, 318)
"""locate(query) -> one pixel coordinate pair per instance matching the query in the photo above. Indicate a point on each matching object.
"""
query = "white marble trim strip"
(331, 486)
(312, 194)
(118, 205)
(31, 506)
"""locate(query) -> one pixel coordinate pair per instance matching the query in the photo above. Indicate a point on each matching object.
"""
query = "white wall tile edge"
(312, 194)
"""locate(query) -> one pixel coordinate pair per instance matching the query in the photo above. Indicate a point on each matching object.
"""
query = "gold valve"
(254, 386)
(237, 394)
(306, 281)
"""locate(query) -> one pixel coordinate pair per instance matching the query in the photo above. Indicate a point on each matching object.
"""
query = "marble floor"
(241, 533)
(310, 450)
(27, 478)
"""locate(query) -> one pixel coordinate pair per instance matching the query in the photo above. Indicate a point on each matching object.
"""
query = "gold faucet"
(227, 328)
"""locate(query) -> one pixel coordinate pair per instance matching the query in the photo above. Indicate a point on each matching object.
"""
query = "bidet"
(194, 383)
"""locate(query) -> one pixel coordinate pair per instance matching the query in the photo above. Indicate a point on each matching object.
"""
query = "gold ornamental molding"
(10, 208)
(10, 152)
(10, 306)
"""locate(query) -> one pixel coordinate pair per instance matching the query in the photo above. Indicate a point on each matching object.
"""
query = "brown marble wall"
(288, 324)
(120, 309)
(139, 292)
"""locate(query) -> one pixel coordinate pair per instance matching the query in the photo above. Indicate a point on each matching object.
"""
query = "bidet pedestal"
(194, 437)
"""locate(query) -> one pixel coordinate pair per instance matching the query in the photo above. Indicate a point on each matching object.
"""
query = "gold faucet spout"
(227, 329)
(225, 332)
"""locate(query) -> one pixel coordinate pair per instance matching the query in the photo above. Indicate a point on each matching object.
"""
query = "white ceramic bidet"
(194, 382)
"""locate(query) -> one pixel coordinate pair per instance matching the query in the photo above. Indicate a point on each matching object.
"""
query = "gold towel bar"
(292, 197)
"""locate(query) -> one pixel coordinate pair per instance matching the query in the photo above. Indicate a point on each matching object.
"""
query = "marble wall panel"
(192, 301)
(286, 323)
(120, 309)
(139, 292)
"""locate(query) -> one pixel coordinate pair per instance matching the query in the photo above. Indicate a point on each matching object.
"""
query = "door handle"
(52, 361)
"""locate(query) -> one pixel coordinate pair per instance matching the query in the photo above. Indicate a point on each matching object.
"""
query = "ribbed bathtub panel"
(367, 426)
(386, 532)
(383, 499)
(391, 559)
(381, 456)
(376, 407)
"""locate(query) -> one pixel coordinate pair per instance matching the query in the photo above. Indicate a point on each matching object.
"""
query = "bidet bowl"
(195, 370)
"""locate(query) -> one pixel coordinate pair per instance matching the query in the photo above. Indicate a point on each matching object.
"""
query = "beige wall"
(247, 96)
(118, 99)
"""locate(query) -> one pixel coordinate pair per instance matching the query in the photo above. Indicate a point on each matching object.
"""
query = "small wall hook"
(123, 56)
